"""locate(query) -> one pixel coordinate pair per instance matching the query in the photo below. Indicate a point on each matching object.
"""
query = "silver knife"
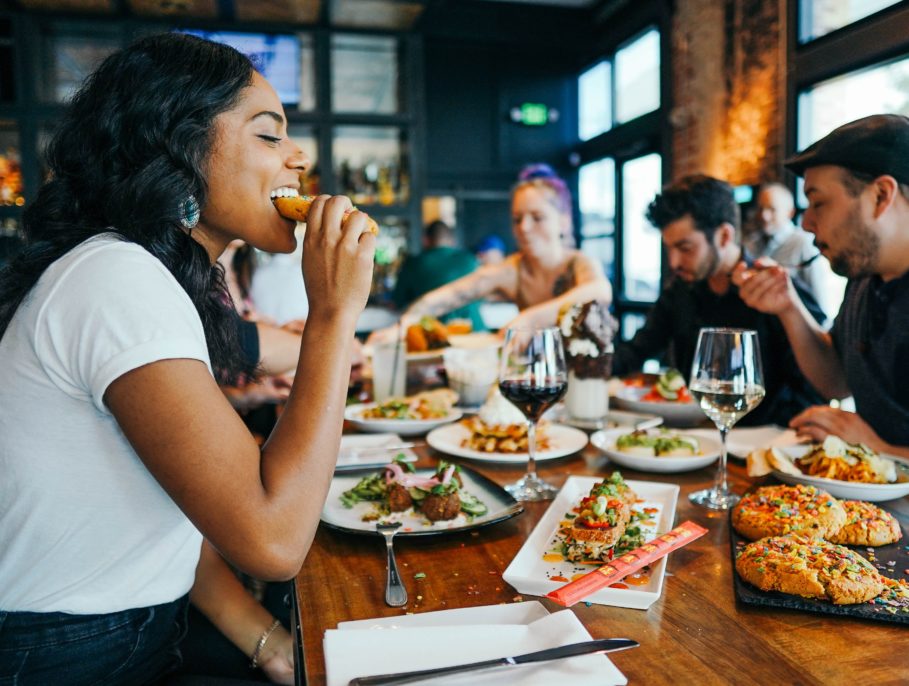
(603, 645)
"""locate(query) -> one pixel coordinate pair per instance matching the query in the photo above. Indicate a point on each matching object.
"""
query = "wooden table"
(695, 632)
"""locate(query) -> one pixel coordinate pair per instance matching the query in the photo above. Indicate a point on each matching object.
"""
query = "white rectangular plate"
(362, 451)
(530, 573)
(413, 643)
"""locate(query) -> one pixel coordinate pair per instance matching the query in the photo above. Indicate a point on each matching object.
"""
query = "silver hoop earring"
(189, 212)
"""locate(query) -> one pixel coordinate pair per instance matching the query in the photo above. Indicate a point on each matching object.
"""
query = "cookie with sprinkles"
(866, 524)
(811, 568)
(779, 510)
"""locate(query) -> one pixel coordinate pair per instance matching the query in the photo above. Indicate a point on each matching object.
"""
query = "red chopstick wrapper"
(630, 562)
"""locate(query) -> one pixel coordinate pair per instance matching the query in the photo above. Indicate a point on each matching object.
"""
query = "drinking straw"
(619, 568)
(399, 343)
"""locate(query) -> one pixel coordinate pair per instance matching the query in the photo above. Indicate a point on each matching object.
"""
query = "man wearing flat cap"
(857, 185)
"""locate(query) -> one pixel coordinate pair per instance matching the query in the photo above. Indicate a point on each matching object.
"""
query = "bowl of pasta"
(851, 471)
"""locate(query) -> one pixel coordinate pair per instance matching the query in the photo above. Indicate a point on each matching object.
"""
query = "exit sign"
(533, 114)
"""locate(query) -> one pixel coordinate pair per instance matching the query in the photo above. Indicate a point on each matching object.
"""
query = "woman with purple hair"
(544, 275)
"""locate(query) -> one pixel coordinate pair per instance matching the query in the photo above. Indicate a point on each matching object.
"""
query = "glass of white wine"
(727, 382)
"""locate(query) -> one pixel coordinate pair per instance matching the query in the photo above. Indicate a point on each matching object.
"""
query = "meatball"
(440, 507)
(398, 498)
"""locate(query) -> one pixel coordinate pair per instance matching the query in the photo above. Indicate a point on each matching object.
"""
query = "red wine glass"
(533, 376)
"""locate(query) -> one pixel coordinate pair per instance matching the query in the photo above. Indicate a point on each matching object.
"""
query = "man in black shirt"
(857, 185)
(699, 221)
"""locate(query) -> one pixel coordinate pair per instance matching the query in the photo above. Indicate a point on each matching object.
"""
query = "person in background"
(440, 262)
(116, 325)
(490, 250)
(699, 222)
(774, 235)
(541, 277)
(857, 185)
(277, 290)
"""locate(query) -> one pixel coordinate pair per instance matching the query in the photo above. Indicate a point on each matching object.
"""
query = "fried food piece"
(297, 209)
(810, 568)
(866, 524)
(438, 508)
(777, 510)
(399, 498)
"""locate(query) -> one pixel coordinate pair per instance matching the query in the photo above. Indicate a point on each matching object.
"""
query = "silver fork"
(395, 593)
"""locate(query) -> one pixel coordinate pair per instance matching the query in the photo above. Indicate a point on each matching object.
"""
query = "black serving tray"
(898, 553)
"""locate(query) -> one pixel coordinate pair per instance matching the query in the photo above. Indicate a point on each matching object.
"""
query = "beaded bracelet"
(261, 643)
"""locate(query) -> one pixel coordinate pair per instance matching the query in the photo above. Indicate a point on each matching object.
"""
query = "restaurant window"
(819, 17)
(595, 100)
(620, 87)
(364, 74)
(828, 104)
(637, 77)
(596, 196)
(641, 247)
(68, 58)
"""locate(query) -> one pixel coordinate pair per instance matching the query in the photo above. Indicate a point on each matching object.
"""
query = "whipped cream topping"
(497, 411)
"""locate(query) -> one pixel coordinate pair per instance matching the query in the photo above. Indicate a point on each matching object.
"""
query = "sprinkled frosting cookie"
(778, 510)
(810, 568)
(866, 524)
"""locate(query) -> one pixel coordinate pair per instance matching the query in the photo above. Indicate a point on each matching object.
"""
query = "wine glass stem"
(531, 449)
(721, 487)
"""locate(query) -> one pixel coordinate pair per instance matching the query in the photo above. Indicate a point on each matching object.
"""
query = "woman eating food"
(119, 451)
(541, 277)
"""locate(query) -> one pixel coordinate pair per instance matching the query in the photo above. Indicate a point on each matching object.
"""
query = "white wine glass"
(727, 382)
(533, 376)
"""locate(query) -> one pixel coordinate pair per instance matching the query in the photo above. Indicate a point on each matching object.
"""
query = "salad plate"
(401, 427)
(537, 570)
(605, 441)
(563, 440)
(673, 412)
(500, 506)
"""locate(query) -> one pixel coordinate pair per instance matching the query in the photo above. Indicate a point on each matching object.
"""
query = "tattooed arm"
(494, 278)
(476, 285)
(589, 284)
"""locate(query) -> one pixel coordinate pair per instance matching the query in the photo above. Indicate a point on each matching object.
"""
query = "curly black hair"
(709, 201)
(133, 145)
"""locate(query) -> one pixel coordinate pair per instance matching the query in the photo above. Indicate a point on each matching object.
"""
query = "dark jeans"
(132, 647)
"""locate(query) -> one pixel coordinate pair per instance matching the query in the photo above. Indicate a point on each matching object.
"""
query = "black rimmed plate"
(500, 504)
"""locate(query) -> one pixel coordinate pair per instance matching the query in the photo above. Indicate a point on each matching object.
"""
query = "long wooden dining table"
(695, 633)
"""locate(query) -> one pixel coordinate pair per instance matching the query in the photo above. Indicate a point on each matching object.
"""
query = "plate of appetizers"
(667, 397)
(446, 499)
(406, 416)
(591, 520)
(505, 443)
(656, 450)
(844, 470)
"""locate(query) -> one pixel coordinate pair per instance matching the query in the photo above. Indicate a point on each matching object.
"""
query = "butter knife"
(603, 645)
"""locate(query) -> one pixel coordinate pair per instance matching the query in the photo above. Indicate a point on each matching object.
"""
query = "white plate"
(848, 490)
(402, 427)
(362, 451)
(437, 639)
(530, 573)
(673, 413)
(563, 440)
(605, 441)
(500, 506)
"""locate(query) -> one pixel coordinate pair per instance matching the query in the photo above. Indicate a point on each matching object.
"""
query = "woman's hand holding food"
(337, 258)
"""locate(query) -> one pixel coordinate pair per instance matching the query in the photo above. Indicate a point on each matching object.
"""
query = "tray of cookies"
(797, 547)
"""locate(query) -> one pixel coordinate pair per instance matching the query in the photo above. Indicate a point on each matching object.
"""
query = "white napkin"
(349, 654)
(365, 450)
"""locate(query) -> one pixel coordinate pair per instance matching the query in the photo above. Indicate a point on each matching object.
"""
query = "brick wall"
(728, 89)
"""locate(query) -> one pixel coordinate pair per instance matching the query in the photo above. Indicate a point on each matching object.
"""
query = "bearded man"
(699, 221)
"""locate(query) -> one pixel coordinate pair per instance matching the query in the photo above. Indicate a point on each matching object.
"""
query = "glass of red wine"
(533, 376)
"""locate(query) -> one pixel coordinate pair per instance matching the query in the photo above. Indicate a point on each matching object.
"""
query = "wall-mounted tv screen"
(276, 57)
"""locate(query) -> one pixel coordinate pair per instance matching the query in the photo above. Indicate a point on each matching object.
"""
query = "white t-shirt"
(84, 527)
